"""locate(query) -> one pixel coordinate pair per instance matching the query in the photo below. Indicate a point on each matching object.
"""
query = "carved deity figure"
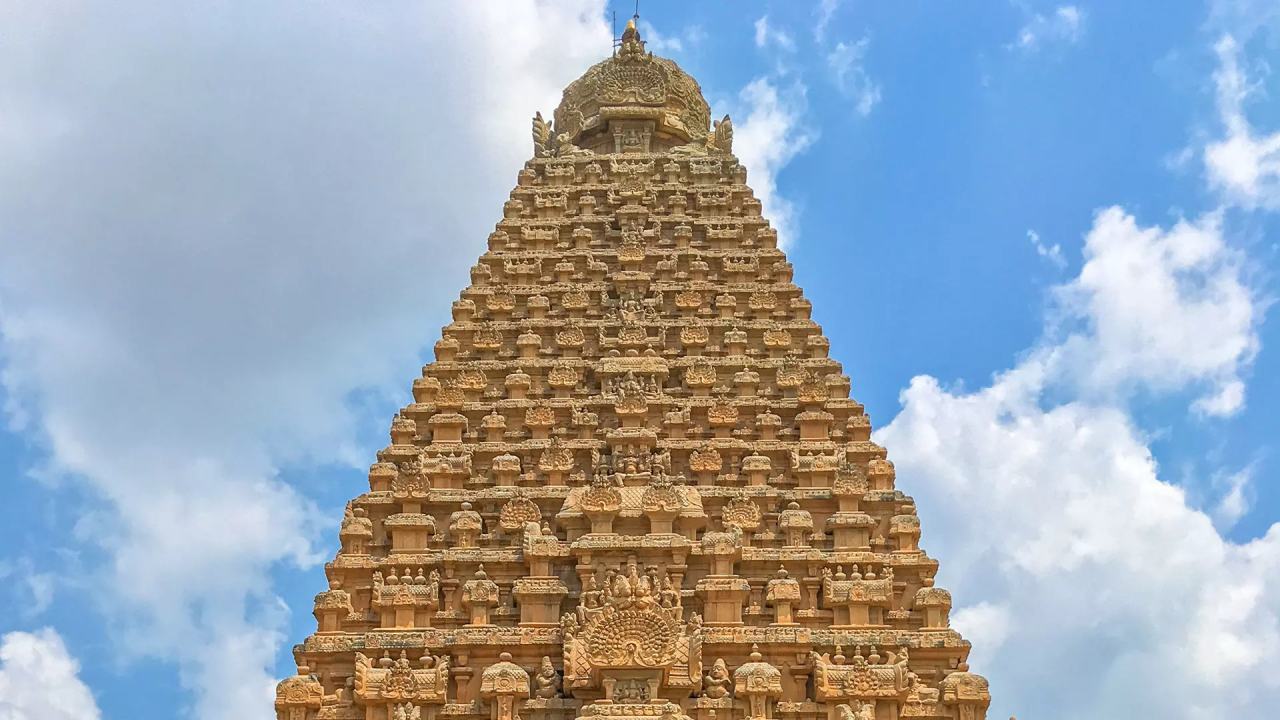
(591, 593)
(670, 593)
(547, 680)
(569, 627)
(631, 691)
(715, 684)
(566, 148)
(695, 624)
(407, 711)
(856, 711)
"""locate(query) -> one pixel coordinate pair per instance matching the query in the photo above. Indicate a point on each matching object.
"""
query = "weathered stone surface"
(632, 483)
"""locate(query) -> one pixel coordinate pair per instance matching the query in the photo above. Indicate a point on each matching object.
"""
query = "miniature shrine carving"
(632, 484)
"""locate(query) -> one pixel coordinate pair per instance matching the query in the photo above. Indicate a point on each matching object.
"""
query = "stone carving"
(541, 136)
(547, 679)
(504, 682)
(758, 682)
(634, 93)
(716, 683)
(398, 681)
(856, 711)
(632, 351)
(518, 511)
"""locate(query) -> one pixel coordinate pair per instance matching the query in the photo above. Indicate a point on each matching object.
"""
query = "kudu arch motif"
(632, 484)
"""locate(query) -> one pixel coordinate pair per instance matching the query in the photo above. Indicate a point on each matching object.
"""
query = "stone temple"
(632, 485)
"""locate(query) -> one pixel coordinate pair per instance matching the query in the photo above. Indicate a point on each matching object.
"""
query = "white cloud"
(1236, 501)
(32, 589)
(846, 62)
(219, 221)
(1100, 569)
(984, 624)
(825, 11)
(1244, 18)
(657, 42)
(1051, 253)
(770, 136)
(662, 44)
(1053, 526)
(1163, 308)
(1244, 165)
(1064, 25)
(39, 680)
(767, 35)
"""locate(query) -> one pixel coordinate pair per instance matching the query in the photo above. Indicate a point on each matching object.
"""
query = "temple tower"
(632, 484)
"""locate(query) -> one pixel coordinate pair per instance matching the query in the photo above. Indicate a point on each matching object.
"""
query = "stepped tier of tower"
(632, 484)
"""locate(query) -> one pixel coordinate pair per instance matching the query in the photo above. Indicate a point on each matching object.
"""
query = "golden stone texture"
(632, 484)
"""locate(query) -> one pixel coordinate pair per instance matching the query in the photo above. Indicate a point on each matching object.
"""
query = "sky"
(1042, 238)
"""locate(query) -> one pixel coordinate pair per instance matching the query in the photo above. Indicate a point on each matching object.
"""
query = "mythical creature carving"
(541, 136)
(722, 132)
(629, 627)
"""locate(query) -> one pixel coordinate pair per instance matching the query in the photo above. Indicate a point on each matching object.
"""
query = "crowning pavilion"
(632, 485)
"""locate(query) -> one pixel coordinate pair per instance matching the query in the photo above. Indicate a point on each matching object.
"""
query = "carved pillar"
(465, 527)
(904, 528)
(965, 694)
(479, 596)
(299, 696)
(760, 684)
(540, 594)
(934, 605)
(332, 607)
(795, 525)
(723, 592)
(783, 594)
(504, 683)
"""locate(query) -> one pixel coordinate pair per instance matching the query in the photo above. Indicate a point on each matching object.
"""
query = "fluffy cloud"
(1243, 165)
(1052, 521)
(1162, 309)
(664, 44)
(771, 134)
(826, 10)
(1055, 529)
(768, 35)
(1064, 25)
(219, 221)
(846, 63)
(1052, 253)
(40, 681)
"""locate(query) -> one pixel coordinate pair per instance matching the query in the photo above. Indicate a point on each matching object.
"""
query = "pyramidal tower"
(632, 485)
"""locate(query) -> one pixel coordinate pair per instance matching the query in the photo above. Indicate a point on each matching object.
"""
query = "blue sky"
(1041, 237)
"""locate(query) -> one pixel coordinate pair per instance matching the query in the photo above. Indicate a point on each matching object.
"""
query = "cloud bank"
(219, 221)
(1063, 535)
(40, 681)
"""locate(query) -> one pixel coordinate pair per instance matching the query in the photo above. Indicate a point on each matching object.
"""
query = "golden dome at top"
(634, 101)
